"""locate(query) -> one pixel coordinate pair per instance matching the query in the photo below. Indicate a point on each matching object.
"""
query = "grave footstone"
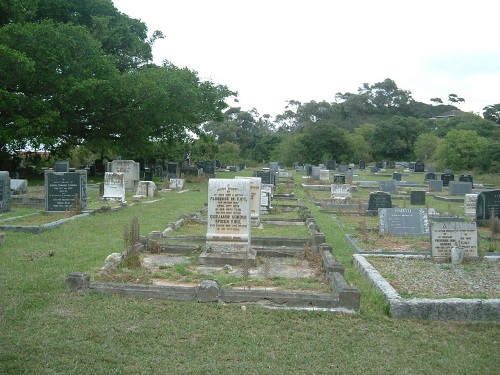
(228, 224)
(114, 186)
(5, 193)
(446, 235)
(403, 221)
(417, 197)
(64, 189)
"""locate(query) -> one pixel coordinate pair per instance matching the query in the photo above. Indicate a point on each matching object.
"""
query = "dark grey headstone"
(436, 185)
(488, 204)
(466, 178)
(447, 177)
(378, 200)
(331, 165)
(417, 197)
(390, 164)
(430, 176)
(460, 188)
(62, 188)
(338, 179)
(374, 169)
(379, 164)
(403, 221)
(209, 168)
(5, 193)
(389, 186)
(419, 167)
(362, 164)
(396, 176)
(61, 166)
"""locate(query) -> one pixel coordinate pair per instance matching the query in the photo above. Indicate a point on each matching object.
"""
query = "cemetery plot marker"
(62, 188)
(446, 235)
(403, 221)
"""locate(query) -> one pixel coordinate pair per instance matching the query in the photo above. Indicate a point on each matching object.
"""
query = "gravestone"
(18, 186)
(390, 164)
(114, 186)
(460, 188)
(331, 165)
(267, 191)
(274, 166)
(342, 168)
(63, 188)
(446, 235)
(309, 169)
(349, 176)
(436, 185)
(172, 170)
(265, 176)
(419, 167)
(389, 186)
(429, 176)
(324, 175)
(338, 179)
(470, 204)
(176, 183)
(146, 189)
(403, 221)
(209, 168)
(315, 173)
(396, 176)
(417, 197)
(379, 199)
(374, 169)
(446, 178)
(61, 166)
(466, 178)
(255, 196)
(340, 192)
(488, 205)
(129, 168)
(362, 164)
(5, 193)
(379, 164)
(228, 224)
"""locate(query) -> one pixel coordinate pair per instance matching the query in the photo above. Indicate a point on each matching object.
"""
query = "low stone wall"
(423, 308)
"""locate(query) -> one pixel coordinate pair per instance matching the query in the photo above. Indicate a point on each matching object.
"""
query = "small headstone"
(349, 176)
(403, 221)
(436, 185)
(362, 164)
(457, 255)
(374, 169)
(172, 170)
(446, 235)
(341, 192)
(63, 188)
(324, 175)
(331, 165)
(176, 183)
(255, 196)
(61, 166)
(447, 177)
(338, 179)
(265, 176)
(378, 200)
(389, 186)
(466, 178)
(274, 166)
(114, 186)
(5, 193)
(18, 186)
(146, 189)
(470, 203)
(430, 176)
(417, 197)
(379, 164)
(460, 188)
(396, 176)
(419, 167)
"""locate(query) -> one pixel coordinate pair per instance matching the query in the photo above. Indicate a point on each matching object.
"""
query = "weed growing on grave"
(131, 258)
(76, 208)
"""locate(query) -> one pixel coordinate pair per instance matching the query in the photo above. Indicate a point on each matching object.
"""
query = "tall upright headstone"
(378, 199)
(130, 169)
(64, 189)
(255, 197)
(5, 193)
(228, 224)
(470, 204)
(114, 186)
(488, 205)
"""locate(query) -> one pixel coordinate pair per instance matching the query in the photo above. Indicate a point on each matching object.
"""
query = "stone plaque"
(114, 186)
(403, 221)
(379, 199)
(446, 235)
(436, 185)
(255, 196)
(130, 169)
(146, 189)
(5, 193)
(228, 223)
(488, 204)
(389, 186)
(417, 197)
(62, 188)
(176, 183)
(470, 203)
(338, 179)
(460, 188)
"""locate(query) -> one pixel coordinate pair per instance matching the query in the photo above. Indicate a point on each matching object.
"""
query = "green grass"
(45, 329)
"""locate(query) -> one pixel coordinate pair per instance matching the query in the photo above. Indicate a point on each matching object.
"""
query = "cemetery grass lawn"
(45, 329)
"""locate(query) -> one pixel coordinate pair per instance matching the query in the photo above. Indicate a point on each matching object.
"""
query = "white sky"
(272, 51)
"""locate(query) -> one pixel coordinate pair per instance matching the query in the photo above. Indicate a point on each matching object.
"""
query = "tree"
(426, 145)
(290, 150)
(492, 113)
(436, 101)
(324, 140)
(460, 149)
(453, 98)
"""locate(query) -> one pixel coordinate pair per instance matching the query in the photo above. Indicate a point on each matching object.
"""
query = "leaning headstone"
(389, 186)
(436, 185)
(460, 188)
(5, 193)
(379, 199)
(146, 189)
(403, 221)
(446, 235)
(64, 189)
(114, 186)
(470, 203)
(417, 197)
(255, 196)
(61, 166)
(228, 224)
(130, 169)
(488, 205)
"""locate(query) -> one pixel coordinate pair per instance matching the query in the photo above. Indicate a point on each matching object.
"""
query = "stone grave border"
(454, 309)
(345, 298)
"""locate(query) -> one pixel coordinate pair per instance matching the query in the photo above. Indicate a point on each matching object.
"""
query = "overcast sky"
(272, 51)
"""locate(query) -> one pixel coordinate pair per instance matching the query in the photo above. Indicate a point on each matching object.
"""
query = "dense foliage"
(77, 79)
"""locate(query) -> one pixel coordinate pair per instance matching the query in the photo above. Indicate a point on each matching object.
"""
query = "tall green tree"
(460, 149)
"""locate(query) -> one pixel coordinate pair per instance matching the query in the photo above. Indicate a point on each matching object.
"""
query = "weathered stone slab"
(114, 186)
(403, 221)
(446, 235)
(5, 193)
(129, 168)
(470, 204)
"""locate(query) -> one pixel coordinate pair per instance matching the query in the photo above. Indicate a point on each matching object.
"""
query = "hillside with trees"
(77, 80)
